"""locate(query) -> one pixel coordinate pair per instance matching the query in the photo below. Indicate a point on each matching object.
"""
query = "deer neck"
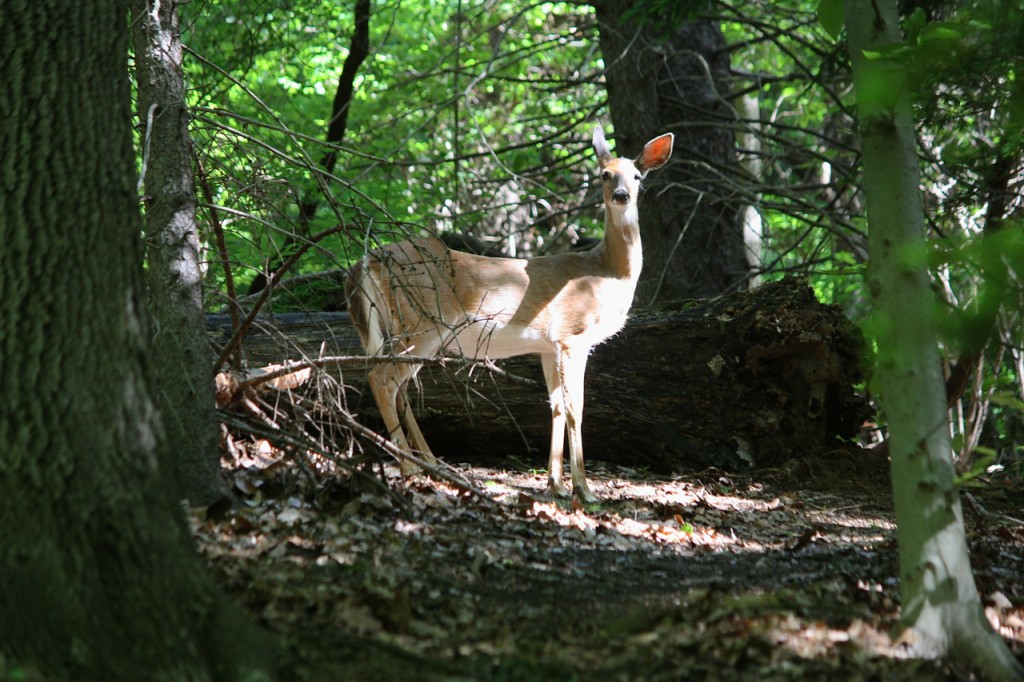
(623, 254)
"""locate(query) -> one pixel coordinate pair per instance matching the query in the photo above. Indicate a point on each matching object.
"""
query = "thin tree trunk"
(752, 163)
(940, 600)
(100, 579)
(182, 352)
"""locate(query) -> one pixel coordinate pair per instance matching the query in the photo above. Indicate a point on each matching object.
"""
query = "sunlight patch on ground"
(614, 531)
(681, 516)
(810, 639)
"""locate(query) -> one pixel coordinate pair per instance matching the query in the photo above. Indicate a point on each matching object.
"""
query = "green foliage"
(987, 456)
(809, 170)
(972, 263)
(963, 67)
(472, 121)
(830, 14)
(476, 122)
(459, 121)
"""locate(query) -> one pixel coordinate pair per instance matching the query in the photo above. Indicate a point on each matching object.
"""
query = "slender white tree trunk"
(940, 601)
(183, 356)
(749, 141)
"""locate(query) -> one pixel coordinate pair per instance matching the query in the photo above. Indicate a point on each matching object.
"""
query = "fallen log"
(750, 379)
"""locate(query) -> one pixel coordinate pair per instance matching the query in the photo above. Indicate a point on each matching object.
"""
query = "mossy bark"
(100, 579)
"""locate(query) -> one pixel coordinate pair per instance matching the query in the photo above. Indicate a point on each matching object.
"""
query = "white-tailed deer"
(420, 298)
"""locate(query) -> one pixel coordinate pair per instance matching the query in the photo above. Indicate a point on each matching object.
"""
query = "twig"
(985, 513)
(145, 148)
(222, 247)
(267, 429)
(243, 328)
(389, 447)
(364, 360)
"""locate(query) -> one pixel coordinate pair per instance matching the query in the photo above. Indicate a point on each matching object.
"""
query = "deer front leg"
(572, 366)
(552, 378)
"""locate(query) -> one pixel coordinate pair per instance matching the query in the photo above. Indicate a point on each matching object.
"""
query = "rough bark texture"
(100, 581)
(940, 600)
(180, 347)
(663, 79)
(755, 378)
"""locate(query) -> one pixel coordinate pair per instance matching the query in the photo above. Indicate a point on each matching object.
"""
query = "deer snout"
(620, 195)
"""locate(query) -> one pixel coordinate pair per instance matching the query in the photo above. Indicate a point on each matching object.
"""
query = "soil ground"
(777, 575)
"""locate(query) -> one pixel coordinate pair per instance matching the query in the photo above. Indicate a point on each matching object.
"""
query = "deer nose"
(620, 196)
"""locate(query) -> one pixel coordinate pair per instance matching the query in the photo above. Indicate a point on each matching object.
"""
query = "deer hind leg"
(388, 384)
(412, 429)
(572, 366)
(553, 379)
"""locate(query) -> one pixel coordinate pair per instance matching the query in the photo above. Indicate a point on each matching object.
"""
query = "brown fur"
(419, 298)
(356, 302)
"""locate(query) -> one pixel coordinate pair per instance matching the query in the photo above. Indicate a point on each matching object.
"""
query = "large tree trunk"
(100, 580)
(665, 78)
(182, 352)
(940, 600)
(750, 379)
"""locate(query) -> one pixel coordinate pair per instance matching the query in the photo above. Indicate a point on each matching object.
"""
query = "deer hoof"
(584, 496)
(557, 489)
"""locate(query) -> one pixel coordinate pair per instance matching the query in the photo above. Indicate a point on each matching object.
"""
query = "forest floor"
(776, 575)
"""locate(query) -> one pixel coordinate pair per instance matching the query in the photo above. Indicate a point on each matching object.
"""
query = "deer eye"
(606, 176)
(638, 177)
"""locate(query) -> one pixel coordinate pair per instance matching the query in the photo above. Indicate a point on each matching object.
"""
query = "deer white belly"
(582, 323)
(495, 338)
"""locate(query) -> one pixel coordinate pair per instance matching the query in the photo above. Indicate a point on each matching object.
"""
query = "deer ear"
(655, 153)
(604, 155)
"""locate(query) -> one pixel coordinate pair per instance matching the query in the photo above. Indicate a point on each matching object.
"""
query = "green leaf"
(1007, 399)
(983, 458)
(914, 23)
(941, 32)
(830, 14)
